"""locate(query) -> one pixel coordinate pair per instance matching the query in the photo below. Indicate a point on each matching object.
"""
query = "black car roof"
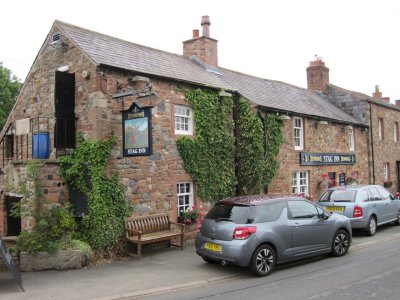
(257, 199)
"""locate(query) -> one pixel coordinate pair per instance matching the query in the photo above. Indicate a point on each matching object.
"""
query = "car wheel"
(263, 260)
(397, 222)
(371, 226)
(209, 260)
(340, 243)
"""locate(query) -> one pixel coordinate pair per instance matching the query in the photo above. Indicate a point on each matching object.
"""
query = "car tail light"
(242, 233)
(358, 212)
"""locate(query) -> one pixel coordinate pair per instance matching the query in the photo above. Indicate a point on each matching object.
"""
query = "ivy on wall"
(103, 227)
(273, 139)
(234, 149)
(210, 156)
(250, 161)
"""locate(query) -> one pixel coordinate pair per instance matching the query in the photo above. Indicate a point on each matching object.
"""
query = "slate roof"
(275, 95)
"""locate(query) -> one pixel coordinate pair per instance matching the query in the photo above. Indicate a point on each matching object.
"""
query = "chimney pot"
(377, 94)
(195, 33)
(205, 23)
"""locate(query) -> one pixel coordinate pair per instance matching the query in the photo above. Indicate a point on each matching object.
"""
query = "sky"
(275, 39)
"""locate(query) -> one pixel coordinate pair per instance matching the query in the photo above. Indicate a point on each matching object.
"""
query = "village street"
(371, 269)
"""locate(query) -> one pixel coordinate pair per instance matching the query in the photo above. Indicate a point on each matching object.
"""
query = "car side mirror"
(325, 216)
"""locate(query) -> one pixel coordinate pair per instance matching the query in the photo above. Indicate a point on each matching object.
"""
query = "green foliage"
(210, 156)
(103, 227)
(52, 232)
(235, 147)
(273, 141)
(250, 149)
(9, 89)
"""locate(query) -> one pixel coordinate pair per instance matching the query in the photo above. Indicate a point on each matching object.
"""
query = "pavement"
(133, 278)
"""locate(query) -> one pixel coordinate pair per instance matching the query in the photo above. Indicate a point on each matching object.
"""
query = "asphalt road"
(371, 270)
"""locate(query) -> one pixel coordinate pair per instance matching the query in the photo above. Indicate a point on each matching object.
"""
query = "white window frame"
(386, 168)
(351, 138)
(184, 196)
(183, 121)
(396, 131)
(300, 182)
(298, 133)
(380, 129)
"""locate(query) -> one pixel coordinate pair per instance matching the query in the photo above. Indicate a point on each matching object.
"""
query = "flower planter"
(59, 260)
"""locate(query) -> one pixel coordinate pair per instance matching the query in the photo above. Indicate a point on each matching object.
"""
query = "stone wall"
(386, 150)
(331, 138)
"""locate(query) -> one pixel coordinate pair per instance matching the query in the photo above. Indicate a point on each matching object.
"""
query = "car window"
(234, 213)
(268, 212)
(302, 210)
(338, 196)
(375, 194)
(363, 196)
(384, 193)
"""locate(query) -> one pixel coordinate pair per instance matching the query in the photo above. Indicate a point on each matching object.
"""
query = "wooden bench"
(152, 229)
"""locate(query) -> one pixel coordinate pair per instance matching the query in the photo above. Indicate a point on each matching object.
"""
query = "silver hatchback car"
(367, 206)
(260, 231)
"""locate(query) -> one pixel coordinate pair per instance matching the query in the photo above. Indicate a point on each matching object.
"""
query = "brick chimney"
(318, 76)
(203, 47)
(378, 95)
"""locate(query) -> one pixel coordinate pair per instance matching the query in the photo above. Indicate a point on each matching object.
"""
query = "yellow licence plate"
(336, 209)
(213, 247)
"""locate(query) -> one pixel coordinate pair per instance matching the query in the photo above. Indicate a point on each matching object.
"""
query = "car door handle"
(296, 225)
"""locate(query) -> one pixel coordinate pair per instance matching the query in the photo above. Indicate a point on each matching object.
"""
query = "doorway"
(64, 135)
(398, 175)
(13, 222)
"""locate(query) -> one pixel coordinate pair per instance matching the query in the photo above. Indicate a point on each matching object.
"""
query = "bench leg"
(182, 240)
(139, 249)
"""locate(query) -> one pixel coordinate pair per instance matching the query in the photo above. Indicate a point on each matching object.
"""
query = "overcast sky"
(275, 39)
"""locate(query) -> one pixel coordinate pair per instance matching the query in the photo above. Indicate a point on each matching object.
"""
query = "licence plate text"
(337, 209)
(213, 247)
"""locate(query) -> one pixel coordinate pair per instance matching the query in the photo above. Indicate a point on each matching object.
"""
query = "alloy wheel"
(372, 226)
(341, 243)
(263, 260)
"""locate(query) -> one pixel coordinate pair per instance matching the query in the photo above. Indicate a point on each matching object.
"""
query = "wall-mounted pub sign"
(136, 126)
(320, 159)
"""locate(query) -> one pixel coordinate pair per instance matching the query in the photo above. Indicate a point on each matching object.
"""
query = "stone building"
(84, 81)
(377, 113)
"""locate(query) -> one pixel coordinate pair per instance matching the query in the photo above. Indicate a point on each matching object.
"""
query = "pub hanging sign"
(321, 159)
(136, 126)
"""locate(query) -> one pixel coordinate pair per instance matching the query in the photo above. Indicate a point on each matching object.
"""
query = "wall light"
(283, 117)
(323, 122)
(63, 68)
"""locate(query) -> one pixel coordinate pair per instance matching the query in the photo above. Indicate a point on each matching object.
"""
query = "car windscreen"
(237, 214)
(338, 196)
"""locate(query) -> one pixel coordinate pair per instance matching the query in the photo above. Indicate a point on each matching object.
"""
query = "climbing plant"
(209, 157)
(84, 170)
(273, 139)
(235, 147)
(250, 161)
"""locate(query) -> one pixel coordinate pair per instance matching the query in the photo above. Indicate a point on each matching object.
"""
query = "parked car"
(367, 206)
(260, 231)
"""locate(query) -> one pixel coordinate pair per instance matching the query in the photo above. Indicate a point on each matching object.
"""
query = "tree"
(9, 89)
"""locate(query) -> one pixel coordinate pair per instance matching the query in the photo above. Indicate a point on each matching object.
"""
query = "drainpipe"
(372, 143)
